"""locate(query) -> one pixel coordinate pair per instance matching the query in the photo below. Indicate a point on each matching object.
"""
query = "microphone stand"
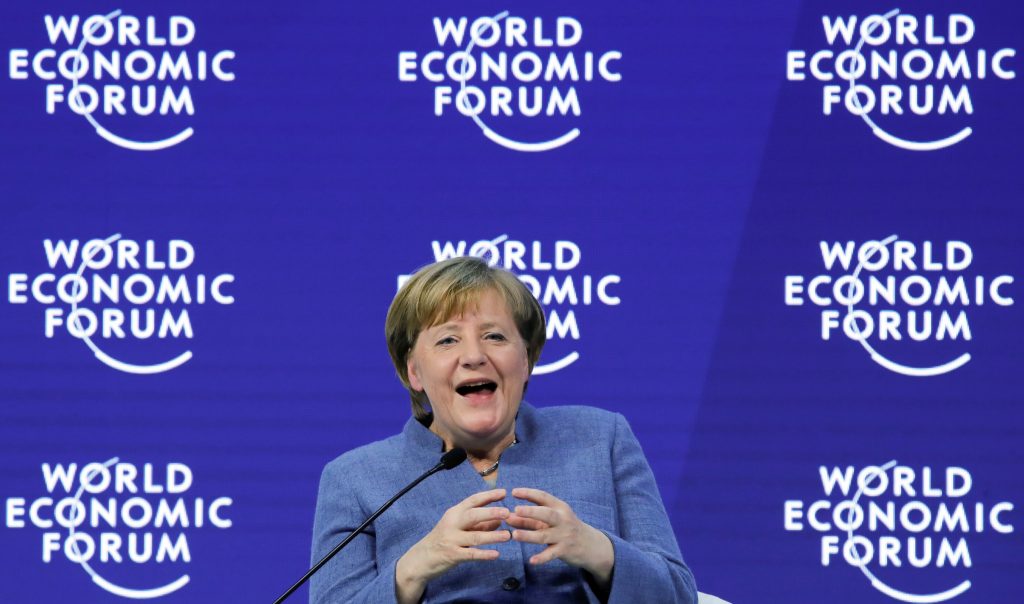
(448, 461)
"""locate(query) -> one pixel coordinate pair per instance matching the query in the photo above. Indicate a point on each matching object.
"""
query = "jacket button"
(510, 584)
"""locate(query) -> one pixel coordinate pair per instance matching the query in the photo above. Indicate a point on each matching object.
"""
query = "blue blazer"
(587, 457)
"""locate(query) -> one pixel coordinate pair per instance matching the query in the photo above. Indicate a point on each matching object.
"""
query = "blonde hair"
(440, 291)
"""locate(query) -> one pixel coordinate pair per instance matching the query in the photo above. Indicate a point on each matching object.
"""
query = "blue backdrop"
(693, 188)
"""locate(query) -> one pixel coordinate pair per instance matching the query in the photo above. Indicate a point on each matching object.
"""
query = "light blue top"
(587, 457)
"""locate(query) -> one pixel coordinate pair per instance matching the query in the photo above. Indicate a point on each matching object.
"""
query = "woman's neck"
(482, 455)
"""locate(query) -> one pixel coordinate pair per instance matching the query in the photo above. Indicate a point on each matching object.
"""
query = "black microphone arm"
(448, 461)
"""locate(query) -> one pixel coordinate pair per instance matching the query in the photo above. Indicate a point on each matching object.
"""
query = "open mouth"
(483, 386)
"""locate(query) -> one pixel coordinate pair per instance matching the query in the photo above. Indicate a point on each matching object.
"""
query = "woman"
(555, 505)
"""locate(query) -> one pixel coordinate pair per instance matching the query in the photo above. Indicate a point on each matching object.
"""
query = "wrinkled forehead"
(455, 305)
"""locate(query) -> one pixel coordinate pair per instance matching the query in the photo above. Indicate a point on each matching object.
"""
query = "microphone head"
(453, 458)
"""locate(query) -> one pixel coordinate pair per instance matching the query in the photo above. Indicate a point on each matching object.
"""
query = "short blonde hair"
(440, 291)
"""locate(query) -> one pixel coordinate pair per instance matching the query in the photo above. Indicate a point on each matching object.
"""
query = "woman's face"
(473, 368)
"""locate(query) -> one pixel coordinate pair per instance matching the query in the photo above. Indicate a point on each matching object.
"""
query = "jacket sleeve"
(648, 564)
(353, 575)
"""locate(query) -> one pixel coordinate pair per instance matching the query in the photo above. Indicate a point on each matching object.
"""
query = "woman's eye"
(447, 341)
(495, 336)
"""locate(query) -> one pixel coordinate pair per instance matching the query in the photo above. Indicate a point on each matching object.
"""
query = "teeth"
(478, 386)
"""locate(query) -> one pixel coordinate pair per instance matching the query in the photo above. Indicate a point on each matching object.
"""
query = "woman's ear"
(413, 373)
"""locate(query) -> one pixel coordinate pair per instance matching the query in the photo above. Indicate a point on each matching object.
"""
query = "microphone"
(448, 461)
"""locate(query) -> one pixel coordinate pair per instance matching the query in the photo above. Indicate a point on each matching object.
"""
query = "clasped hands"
(469, 524)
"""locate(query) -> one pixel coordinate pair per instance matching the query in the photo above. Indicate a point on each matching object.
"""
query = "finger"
(536, 496)
(481, 499)
(471, 553)
(473, 538)
(539, 512)
(549, 554)
(486, 525)
(530, 524)
(542, 537)
(474, 515)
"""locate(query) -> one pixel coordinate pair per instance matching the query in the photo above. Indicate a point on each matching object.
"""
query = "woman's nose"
(472, 355)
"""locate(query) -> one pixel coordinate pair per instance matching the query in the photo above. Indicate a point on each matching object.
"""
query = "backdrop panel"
(782, 240)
